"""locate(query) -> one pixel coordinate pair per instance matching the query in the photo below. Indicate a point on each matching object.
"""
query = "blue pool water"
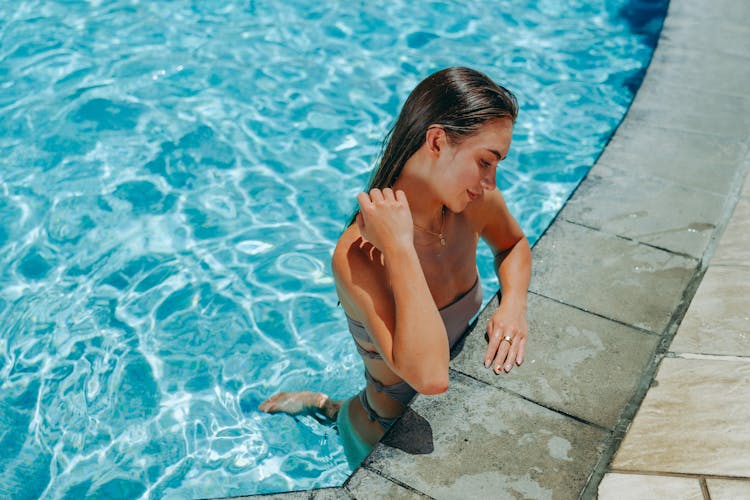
(174, 177)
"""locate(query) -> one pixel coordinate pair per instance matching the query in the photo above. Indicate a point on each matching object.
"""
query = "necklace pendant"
(442, 241)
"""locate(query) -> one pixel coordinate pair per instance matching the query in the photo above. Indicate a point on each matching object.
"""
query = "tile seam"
(640, 329)
(632, 239)
(706, 357)
(366, 466)
(661, 65)
(688, 44)
(532, 401)
(612, 443)
(691, 475)
(649, 123)
(613, 165)
(704, 489)
(729, 265)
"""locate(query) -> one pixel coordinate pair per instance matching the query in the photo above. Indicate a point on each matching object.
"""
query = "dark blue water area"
(174, 178)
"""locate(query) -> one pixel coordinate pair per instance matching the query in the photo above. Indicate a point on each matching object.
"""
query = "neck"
(425, 205)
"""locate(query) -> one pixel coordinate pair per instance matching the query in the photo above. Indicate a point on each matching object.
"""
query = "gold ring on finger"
(509, 339)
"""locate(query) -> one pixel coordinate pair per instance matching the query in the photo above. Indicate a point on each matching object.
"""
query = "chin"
(457, 207)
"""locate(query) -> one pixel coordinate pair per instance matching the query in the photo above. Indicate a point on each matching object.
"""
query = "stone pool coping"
(612, 279)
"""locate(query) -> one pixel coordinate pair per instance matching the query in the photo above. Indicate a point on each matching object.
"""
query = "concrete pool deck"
(637, 377)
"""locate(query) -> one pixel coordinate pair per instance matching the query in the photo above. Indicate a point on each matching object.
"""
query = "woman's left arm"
(507, 330)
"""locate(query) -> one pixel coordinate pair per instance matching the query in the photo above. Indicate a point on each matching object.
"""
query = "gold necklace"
(442, 224)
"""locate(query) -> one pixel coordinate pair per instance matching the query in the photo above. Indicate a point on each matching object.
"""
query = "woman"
(405, 268)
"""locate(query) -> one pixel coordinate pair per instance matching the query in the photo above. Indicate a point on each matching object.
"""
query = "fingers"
(498, 364)
(493, 345)
(364, 200)
(506, 348)
(521, 351)
(379, 196)
(401, 197)
(506, 362)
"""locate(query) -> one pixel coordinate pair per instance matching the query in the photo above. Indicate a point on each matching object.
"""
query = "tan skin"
(393, 275)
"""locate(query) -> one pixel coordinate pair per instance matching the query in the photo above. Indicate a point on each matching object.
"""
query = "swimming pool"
(175, 176)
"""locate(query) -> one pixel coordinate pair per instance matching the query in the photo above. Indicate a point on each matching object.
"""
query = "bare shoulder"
(486, 210)
(347, 256)
(490, 217)
(359, 274)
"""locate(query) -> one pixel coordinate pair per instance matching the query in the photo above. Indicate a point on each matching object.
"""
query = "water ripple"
(175, 178)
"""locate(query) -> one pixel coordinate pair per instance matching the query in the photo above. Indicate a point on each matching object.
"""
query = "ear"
(435, 139)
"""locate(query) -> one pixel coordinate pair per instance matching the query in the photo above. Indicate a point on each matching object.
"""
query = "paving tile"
(610, 276)
(576, 362)
(746, 188)
(642, 487)
(734, 246)
(718, 319)
(676, 64)
(693, 420)
(646, 209)
(728, 489)
(731, 37)
(722, 13)
(365, 484)
(487, 443)
(676, 105)
(691, 159)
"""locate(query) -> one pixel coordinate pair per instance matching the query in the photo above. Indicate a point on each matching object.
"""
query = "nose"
(488, 182)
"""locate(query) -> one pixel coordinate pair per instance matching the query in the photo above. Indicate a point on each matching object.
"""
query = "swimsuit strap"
(400, 391)
(455, 316)
(367, 354)
(387, 423)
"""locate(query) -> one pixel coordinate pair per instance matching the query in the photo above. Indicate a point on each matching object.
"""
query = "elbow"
(433, 385)
(435, 389)
(427, 376)
(427, 382)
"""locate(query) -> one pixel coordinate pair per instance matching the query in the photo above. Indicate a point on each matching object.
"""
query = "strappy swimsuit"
(456, 317)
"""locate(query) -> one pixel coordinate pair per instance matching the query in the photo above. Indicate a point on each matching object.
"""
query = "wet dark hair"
(458, 99)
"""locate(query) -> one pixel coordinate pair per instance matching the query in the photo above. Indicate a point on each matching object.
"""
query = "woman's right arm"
(380, 279)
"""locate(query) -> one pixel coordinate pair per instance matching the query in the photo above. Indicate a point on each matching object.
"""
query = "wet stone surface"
(721, 14)
(635, 284)
(700, 34)
(679, 156)
(677, 64)
(621, 203)
(365, 483)
(577, 363)
(491, 444)
(665, 105)
(734, 249)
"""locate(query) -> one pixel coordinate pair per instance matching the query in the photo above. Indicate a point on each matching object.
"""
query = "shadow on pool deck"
(613, 277)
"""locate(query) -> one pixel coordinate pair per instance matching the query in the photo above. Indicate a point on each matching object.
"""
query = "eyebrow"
(499, 156)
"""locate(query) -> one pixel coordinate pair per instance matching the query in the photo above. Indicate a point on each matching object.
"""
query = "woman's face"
(469, 168)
